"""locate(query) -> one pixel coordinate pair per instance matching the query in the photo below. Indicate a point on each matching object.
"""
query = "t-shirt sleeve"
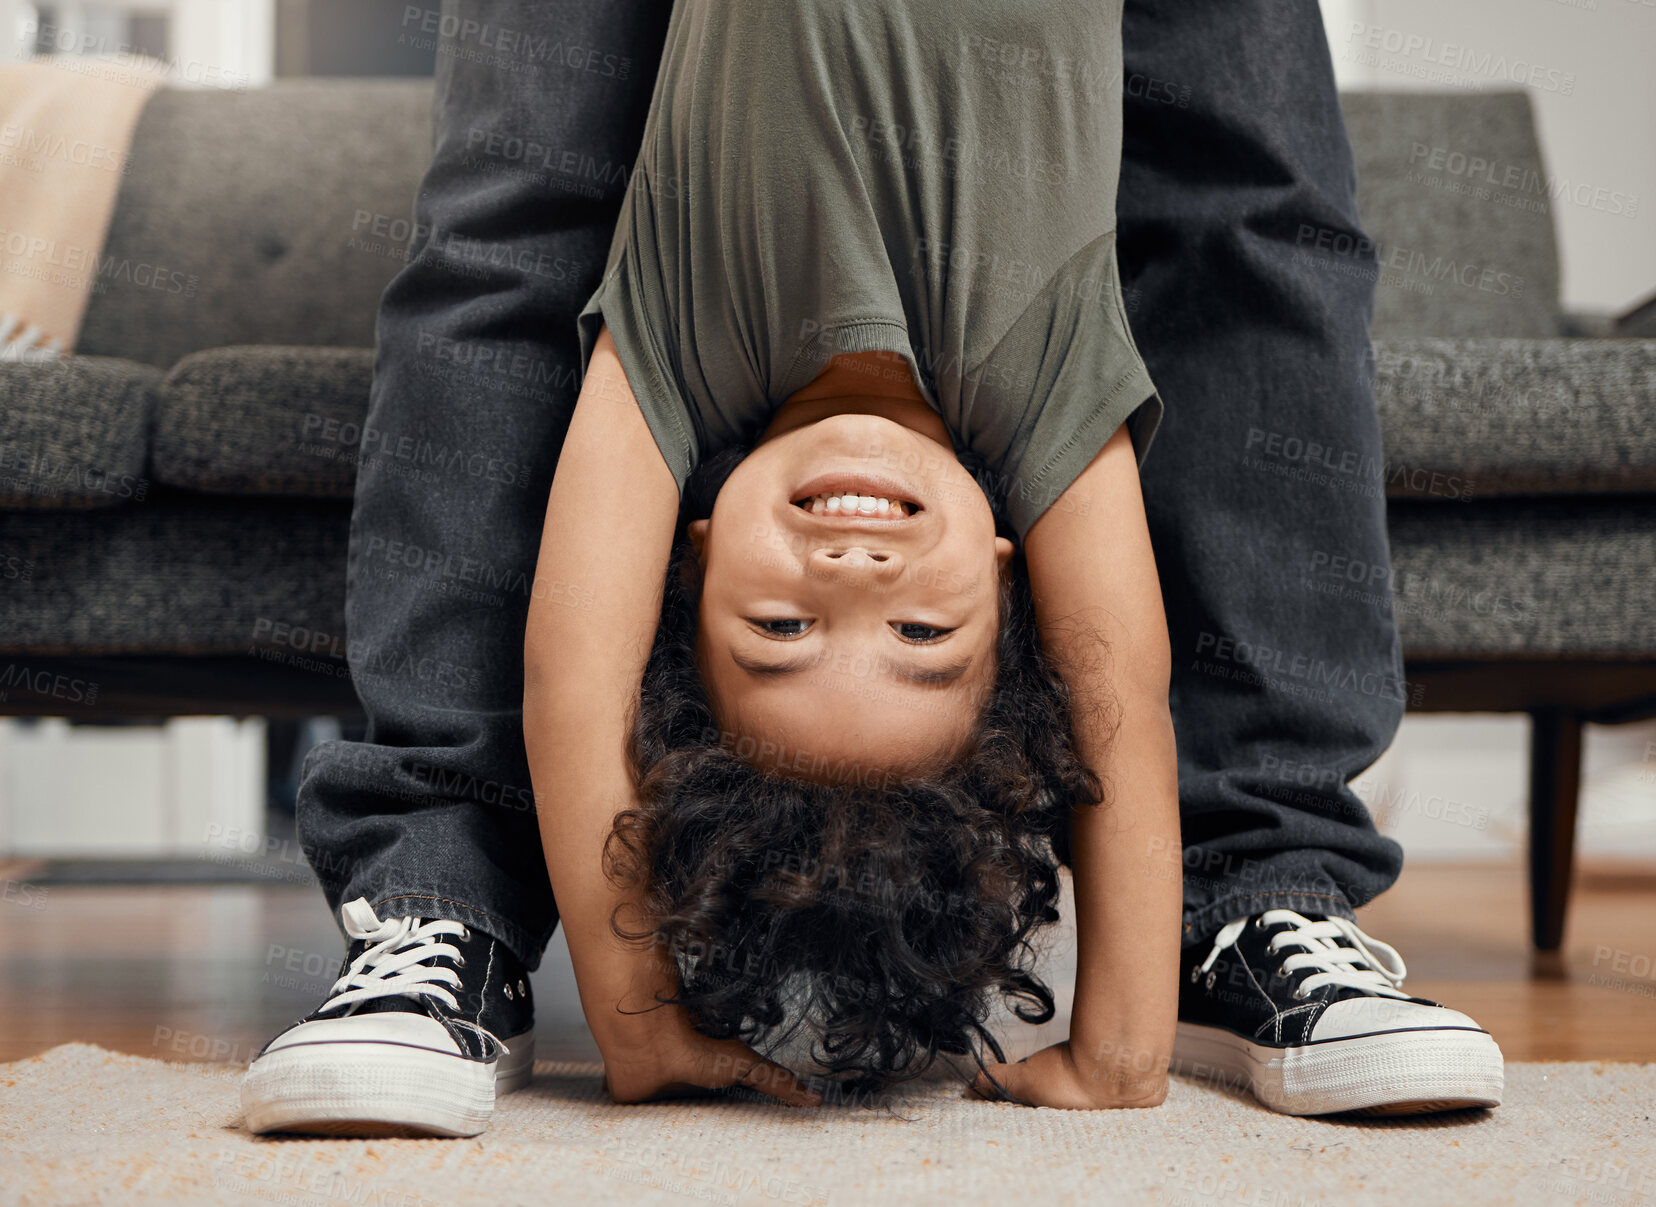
(1060, 382)
(630, 305)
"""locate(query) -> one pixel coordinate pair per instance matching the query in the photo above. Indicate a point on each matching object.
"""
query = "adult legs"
(1284, 686)
(1236, 180)
(539, 112)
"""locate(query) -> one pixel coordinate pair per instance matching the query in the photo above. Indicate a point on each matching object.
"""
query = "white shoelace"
(396, 963)
(25, 345)
(1367, 964)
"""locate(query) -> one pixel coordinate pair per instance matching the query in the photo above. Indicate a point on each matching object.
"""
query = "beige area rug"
(80, 1125)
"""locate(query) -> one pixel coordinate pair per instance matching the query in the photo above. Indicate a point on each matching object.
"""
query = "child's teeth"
(864, 505)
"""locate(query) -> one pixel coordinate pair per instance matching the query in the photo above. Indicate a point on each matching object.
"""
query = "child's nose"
(879, 563)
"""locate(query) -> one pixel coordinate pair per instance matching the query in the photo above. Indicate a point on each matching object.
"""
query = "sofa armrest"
(1469, 418)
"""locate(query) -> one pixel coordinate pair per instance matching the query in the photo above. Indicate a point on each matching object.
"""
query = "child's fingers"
(756, 1073)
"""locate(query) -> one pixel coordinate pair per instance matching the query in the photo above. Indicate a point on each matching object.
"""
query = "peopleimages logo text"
(1466, 59)
(1409, 261)
(1520, 178)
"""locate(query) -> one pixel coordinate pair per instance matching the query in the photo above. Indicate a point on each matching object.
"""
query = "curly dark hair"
(887, 916)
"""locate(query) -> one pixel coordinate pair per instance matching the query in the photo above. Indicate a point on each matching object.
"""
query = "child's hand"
(675, 1061)
(1054, 1077)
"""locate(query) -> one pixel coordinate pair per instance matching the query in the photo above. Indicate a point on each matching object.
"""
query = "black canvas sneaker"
(1309, 1013)
(427, 1022)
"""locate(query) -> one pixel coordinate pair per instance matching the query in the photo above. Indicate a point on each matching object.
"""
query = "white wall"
(224, 43)
(13, 16)
(1595, 98)
(214, 43)
(1456, 787)
(130, 791)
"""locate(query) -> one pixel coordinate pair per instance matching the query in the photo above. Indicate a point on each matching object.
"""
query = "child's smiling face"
(837, 636)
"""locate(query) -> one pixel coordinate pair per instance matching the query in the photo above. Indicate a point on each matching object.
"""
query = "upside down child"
(879, 639)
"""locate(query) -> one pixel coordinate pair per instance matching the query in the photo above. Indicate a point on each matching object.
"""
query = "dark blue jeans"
(1235, 161)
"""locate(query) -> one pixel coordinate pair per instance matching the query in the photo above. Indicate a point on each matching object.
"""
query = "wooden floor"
(1464, 932)
(212, 973)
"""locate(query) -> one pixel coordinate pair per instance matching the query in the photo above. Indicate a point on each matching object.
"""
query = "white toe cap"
(389, 1027)
(1367, 1015)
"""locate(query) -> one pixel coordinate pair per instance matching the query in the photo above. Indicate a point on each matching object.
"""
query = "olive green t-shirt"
(931, 178)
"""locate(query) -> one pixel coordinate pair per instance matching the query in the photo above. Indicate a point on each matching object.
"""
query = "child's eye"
(918, 632)
(791, 627)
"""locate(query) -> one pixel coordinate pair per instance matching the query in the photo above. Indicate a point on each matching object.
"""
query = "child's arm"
(1092, 571)
(592, 618)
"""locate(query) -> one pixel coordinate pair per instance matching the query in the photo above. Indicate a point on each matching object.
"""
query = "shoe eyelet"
(1300, 995)
(523, 989)
(1195, 974)
(1211, 977)
(459, 961)
(509, 991)
(1259, 922)
(465, 933)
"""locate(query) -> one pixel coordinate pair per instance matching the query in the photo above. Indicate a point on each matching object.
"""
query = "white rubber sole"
(1391, 1073)
(516, 1065)
(379, 1089)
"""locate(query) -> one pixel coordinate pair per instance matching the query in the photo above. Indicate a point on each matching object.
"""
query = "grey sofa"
(174, 500)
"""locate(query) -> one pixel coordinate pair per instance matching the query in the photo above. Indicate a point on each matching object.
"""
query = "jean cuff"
(1200, 925)
(427, 905)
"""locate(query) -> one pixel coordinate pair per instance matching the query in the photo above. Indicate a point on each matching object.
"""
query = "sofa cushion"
(73, 432)
(263, 421)
(1523, 577)
(179, 574)
(1517, 577)
(1514, 416)
(1461, 419)
(274, 215)
(1453, 190)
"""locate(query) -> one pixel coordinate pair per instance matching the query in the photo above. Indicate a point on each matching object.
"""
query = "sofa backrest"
(272, 216)
(1452, 189)
(278, 216)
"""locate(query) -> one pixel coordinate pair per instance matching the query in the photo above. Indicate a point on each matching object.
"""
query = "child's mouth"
(877, 507)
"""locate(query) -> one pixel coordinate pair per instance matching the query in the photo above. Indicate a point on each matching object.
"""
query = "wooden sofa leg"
(1554, 791)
